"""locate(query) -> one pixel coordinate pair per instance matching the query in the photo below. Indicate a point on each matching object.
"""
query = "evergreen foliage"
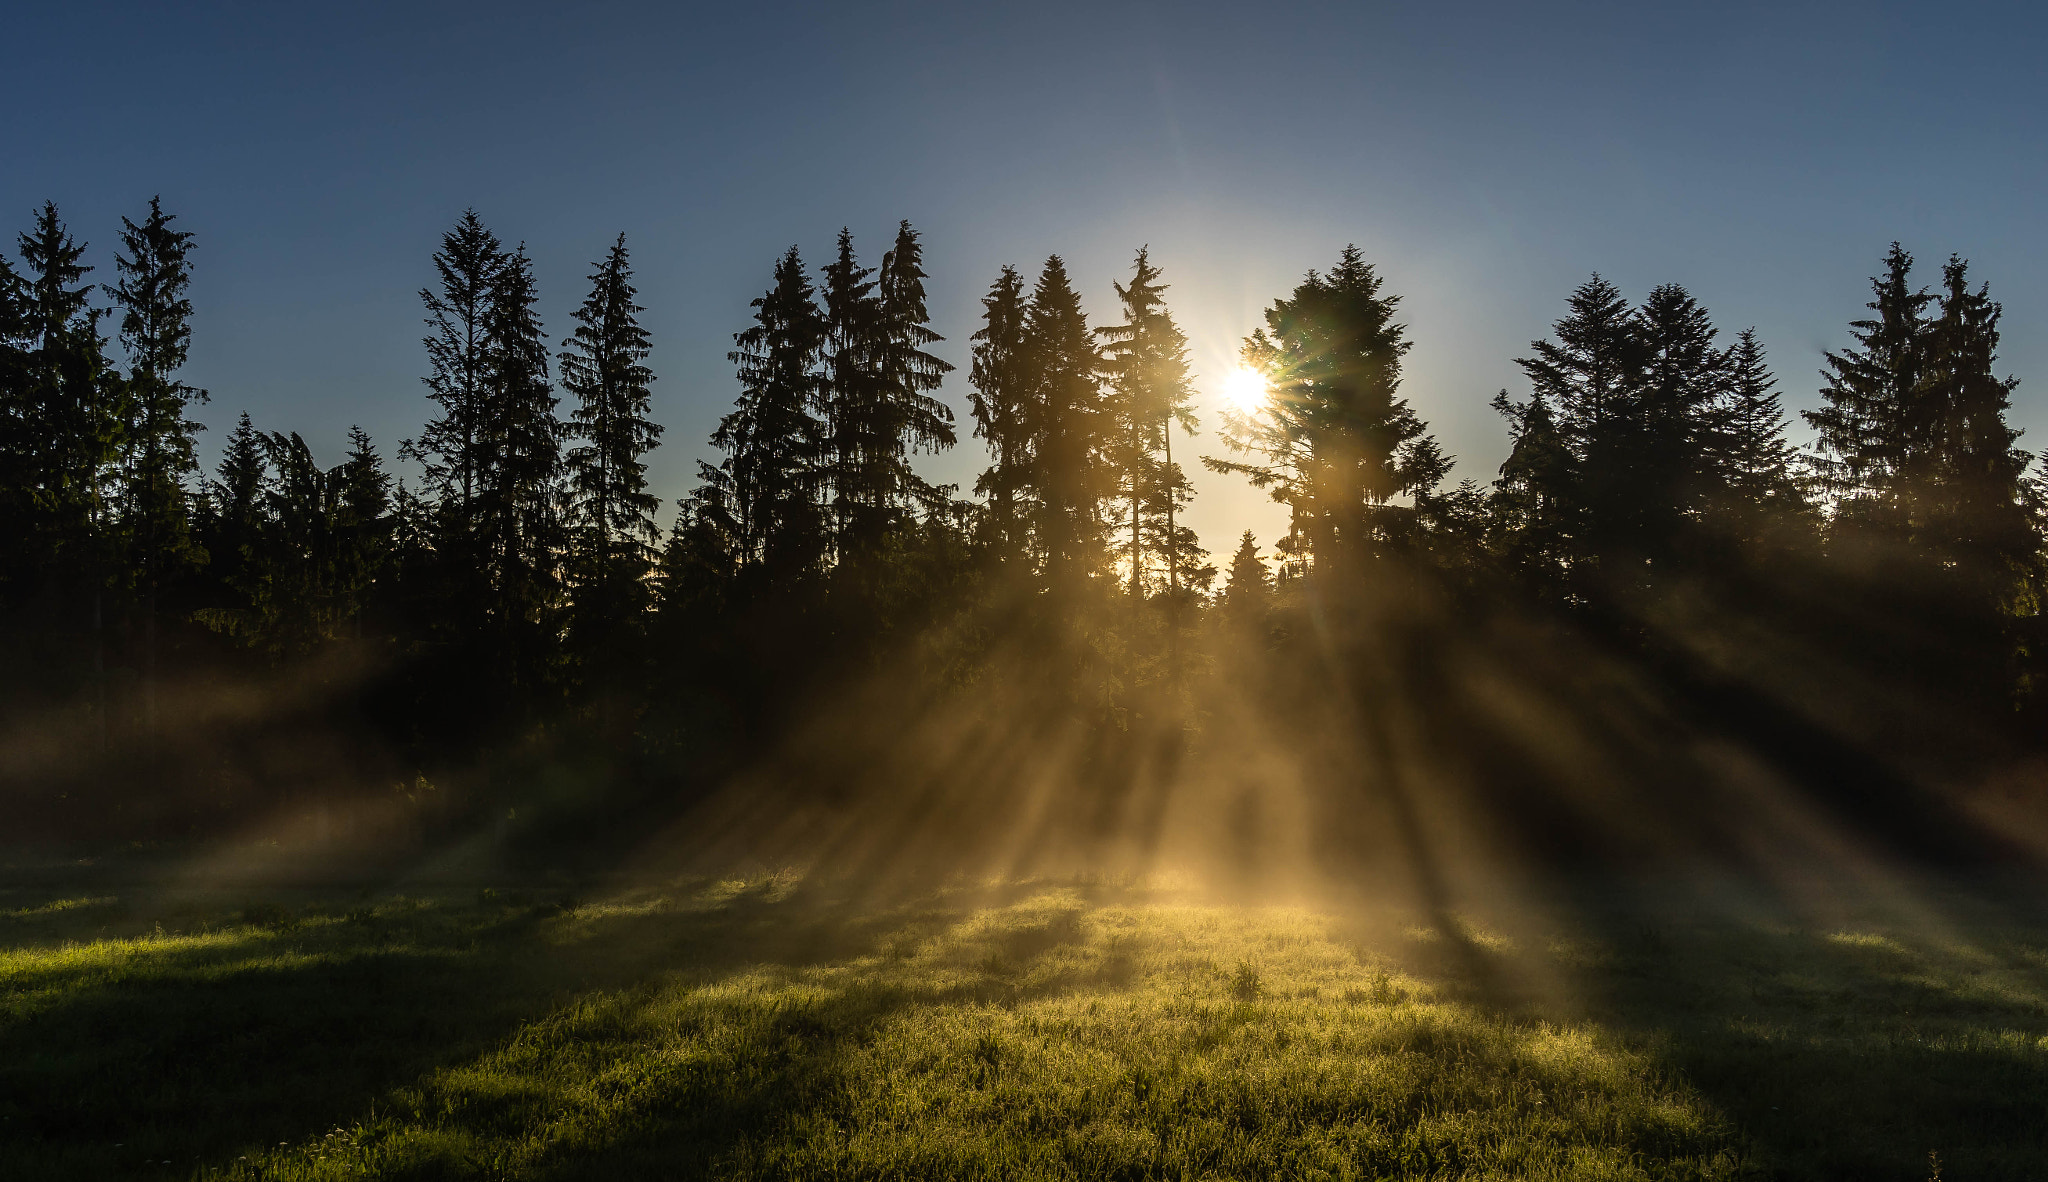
(469, 265)
(1146, 360)
(612, 513)
(1002, 401)
(760, 505)
(1068, 425)
(1336, 443)
(517, 615)
(157, 438)
(1248, 586)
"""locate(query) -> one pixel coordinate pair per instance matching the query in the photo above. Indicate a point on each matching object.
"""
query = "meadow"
(783, 1026)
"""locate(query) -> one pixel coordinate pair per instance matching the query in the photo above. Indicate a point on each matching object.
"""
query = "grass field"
(773, 1027)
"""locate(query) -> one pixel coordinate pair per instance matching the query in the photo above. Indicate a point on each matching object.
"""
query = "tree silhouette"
(1004, 416)
(1145, 358)
(1336, 443)
(157, 439)
(1068, 422)
(612, 513)
(761, 501)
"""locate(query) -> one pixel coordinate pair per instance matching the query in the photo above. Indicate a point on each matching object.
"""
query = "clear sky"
(1486, 157)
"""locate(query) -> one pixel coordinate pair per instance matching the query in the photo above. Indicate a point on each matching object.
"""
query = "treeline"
(515, 624)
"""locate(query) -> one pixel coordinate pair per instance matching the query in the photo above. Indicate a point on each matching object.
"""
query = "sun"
(1246, 389)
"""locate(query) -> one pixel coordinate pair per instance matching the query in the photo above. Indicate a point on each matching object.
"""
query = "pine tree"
(1003, 401)
(910, 375)
(71, 404)
(1755, 469)
(157, 438)
(234, 505)
(760, 503)
(1248, 591)
(851, 402)
(517, 480)
(1871, 417)
(1146, 360)
(1924, 473)
(1532, 506)
(470, 265)
(612, 510)
(1068, 423)
(1649, 471)
(1336, 442)
(1978, 519)
(1587, 380)
(363, 527)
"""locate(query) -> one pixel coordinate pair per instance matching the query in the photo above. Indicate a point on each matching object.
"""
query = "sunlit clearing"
(1246, 389)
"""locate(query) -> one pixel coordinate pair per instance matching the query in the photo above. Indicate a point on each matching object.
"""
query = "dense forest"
(1664, 599)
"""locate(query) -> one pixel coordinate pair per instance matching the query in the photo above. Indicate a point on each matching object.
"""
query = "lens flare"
(1246, 389)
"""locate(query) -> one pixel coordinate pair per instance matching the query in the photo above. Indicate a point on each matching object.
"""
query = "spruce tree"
(1925, 477)
(1004, 401)
(157, 438)
(72, 405)
(1756, 474)
(1871, 417)
(613, 513)
(234, 500)
(517, 477)
(363, 527)
(1977, 519)
(469, 265)
(1146, 360)
(760, 504)
(1584, 382)
(1068, 423)
(852, 404)
(1532, 503)
(910, 375)
(1649, 474)
(1335, 442)
(1248, 587)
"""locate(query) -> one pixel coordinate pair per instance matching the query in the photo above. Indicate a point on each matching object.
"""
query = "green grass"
(773, 1028)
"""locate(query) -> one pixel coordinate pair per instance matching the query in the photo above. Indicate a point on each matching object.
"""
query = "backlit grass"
(769, 1028)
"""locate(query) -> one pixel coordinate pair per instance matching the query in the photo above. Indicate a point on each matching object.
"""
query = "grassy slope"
(753, 1029)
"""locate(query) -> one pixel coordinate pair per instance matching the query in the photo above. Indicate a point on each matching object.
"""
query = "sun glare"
(1246, 389)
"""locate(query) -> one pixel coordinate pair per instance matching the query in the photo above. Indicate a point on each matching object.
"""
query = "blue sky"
(1487, 157)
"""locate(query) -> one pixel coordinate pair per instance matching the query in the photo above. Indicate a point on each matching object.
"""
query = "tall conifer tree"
(469, 265)
(1004, 401)
(517, 481)
(158, 438)
(910, 374)
(1146, 360)
(1759, 487)
(1068, 425)
(1335, 443)
(603, 366)
(74, 415)
(852, 403)
(1871, 419)
(761, 500)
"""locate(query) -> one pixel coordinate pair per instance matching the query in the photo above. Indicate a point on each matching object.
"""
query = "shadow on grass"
(205, 1036)
(148, 1035)
(1850, 1047)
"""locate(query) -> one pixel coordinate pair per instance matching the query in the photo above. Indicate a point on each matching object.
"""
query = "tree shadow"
(1844, 1047)
(202, 1046)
